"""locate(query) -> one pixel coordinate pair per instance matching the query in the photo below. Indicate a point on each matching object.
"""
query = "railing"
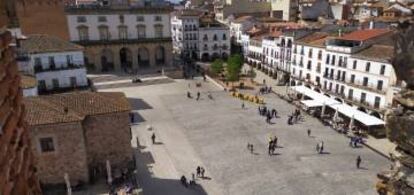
(39, 69)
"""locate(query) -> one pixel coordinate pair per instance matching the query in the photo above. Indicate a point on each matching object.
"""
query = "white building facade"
(56, 64)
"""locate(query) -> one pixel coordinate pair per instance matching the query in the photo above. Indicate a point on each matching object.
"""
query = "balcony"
(123, 41)
(368, 87)
(39, 69)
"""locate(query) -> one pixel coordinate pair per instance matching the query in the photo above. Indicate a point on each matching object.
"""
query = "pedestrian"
(153, 138)
(193, 177)
(188, 94)
(184, 181)
(259, 109)
(317, 147)
(321, 148)
(198, 95)
(202, 172)
(309, 132)
(351, 142)
(251, 148)
(198, 171)
(242, 106)
(275, 141)
(358, 161)
(270, 146)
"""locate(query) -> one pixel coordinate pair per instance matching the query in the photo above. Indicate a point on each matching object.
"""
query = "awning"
(360, 116)
(318, 97)
(311, 103)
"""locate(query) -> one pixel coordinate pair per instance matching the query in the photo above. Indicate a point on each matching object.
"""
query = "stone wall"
(69, 155)
(42, 17)
(108, 137)
(16, 161)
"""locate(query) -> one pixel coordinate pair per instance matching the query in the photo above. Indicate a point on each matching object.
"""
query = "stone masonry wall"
(108, 137)
(42, 17)
(17, 175)
(69, 155)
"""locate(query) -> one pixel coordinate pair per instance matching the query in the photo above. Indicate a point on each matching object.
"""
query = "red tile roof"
(363, 35)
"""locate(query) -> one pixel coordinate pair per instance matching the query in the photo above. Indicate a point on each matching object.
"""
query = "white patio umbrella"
(351, 123)
(335, 118)
(323, 109)
(108, 171)
(67, 181)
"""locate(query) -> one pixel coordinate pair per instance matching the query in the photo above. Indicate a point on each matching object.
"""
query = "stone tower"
(42, 17)
(17, 171)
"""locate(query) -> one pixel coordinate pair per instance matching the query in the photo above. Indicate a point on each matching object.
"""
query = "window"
(205, 38)
(103, 33)
(343, 76)
(81, 19)
(141, 31)
(157, 18)
(158, 28)
(320, 55)
(73, 82)
(41, 85)
(55, 83)
(52, 64)
(83, 33)
(340, 61)
(379, 85)
(318, 67)
(121, 19)
(310, 53)
(352, 78)
(365, 82)
(140, 19)
(342, 92)
(101, 18)
(215, 37)
(309, 65)
(327, 59)
(354, 65)
(300, 74)
(330, 86)
(338, 75)
(377, 102)
(325, 84)
(333, 60)
(363, 97)
(46, 144)
(123, 32)
(224, 37)
(350, 94)
(336, 88)
(37, 61)
(382, 71)
(367, 67)
(69, 60)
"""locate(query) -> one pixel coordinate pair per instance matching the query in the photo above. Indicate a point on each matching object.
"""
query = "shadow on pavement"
(139, 104)
(160, 186)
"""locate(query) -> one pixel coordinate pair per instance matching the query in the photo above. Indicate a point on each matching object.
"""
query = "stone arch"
(107, 60)
(205, 57)
(339, 100)
(362, 109)
(125, 57)
(143, 57)
(160, 55)
(376, 114)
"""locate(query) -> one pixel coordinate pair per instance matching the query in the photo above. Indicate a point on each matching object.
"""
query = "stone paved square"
(215, 133)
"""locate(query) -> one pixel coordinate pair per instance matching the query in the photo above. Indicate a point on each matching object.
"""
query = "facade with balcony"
(198, 36)
(56, 64)
(122, 37)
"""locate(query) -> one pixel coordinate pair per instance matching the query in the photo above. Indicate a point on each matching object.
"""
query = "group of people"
(250, 147)
(294, 117)
(272, 145)
(200, 173)
(267, 112)
(265, 90)
(354, 141)
(199, 95)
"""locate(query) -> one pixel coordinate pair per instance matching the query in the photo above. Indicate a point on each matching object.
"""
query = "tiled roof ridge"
(49, 104)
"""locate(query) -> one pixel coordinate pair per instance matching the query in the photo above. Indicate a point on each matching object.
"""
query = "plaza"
(215, 133)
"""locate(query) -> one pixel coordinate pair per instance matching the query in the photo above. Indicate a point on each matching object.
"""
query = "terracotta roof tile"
(382, 53)
(243, 18)
(313, 37)
(47, 43)
(79, 105)
(363, 35)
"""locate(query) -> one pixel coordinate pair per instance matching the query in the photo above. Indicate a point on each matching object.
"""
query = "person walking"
(242, 106)
(269, 149)
(309, 132)
(251, 148)
(153, 138)
(198, 171)
(202, 172)
(317, 147)
(321, 148)
(184, 181)
(358, 162)
(198, 95)
(188, 94)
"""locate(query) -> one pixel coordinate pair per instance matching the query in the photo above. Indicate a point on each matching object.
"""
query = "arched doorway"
(143, 57)
(107, 60)
(362, 109)
(125, 56)
(376, 114)
(224, 55)
(205, 57)
(160, 56)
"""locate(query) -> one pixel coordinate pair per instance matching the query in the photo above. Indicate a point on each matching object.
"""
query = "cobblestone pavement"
(214, 134)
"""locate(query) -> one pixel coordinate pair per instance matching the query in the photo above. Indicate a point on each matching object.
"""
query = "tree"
(234, 65)
(217, 66)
